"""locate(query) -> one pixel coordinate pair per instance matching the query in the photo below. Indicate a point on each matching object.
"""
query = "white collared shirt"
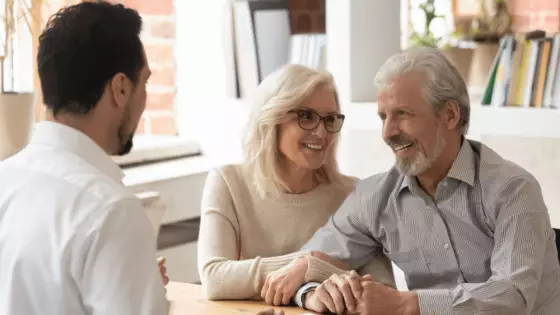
(73, 240)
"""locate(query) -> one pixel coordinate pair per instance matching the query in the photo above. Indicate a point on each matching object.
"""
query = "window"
(204, 50)
(207, 103)
(466, 8)
(440, 27)
(161, 133)
(157, 135)
(17, 70)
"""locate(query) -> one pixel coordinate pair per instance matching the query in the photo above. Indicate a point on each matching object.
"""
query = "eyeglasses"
(309, 120)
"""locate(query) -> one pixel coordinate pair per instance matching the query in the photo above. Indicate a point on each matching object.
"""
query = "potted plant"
(492, 23)
(427, 38)
(17, 97)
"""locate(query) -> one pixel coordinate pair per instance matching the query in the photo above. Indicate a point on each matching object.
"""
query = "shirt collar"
(406, 182)
(72, 140)
(463, 168)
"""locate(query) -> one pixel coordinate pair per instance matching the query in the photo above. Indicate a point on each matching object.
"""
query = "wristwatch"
(301, 294)
(304, 295)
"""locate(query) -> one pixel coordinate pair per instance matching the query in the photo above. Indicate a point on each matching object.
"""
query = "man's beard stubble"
(420, 162)
(125, 138)
(126, 147)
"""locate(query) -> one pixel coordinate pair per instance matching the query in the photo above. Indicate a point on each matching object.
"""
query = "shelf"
(517, 121)
(485, 120)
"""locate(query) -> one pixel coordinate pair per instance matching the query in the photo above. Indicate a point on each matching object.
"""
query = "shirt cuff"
(299, 294)
(434, 302)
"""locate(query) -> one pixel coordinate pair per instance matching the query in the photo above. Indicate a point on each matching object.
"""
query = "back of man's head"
(82, 47)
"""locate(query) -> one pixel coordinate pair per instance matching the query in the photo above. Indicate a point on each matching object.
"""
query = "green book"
(487, 97)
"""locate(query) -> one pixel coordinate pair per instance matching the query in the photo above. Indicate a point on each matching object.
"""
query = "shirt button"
(446, 245)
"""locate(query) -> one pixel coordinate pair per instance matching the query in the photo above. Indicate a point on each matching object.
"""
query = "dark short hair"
(82, 48)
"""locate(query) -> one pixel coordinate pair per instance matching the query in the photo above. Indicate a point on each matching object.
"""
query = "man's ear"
(452, 114)
(121, 89)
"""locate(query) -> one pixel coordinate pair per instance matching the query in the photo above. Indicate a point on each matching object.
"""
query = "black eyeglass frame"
(321, 118)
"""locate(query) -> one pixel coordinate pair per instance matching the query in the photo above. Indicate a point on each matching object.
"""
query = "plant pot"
(481, 64)
(17, 118)
(461, 58)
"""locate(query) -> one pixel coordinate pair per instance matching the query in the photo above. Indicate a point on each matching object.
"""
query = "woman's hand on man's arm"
(281, 285)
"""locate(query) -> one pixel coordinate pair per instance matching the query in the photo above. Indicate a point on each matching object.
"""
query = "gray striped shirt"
(483, 246)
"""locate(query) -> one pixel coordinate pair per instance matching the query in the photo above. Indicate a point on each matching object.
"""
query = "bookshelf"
(359, 36)
(270, 33)
(525, 72)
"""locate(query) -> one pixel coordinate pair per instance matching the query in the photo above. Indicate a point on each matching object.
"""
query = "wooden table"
(188, 299)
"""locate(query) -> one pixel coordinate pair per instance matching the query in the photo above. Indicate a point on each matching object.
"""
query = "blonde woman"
(256, 216)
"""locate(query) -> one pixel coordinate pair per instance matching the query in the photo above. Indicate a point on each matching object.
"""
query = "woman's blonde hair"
(281, 91)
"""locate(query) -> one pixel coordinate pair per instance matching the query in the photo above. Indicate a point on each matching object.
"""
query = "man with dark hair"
(73, 239)
(92, 65)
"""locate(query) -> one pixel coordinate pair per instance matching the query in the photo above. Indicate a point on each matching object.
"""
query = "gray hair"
(442, 79)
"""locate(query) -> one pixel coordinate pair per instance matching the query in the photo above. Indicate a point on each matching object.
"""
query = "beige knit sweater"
(244, 237)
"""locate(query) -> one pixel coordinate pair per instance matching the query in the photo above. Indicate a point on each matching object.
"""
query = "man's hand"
(163, 270)
(313, 302)
(380, 299)
(271, 312)
(280, 286)
(337, 294)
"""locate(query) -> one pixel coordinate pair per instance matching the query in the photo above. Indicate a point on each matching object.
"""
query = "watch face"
(301, 295)
(304, 295)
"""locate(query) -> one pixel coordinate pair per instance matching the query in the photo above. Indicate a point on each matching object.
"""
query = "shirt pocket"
(414, 266)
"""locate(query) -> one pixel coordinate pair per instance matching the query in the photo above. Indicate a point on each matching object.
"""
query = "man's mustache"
(399, 140)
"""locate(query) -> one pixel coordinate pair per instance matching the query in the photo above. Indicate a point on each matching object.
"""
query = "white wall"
(362, 34)
(205, 59)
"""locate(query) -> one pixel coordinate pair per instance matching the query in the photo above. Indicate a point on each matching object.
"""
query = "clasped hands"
(340, 294)
(354, 294)
(347, 293)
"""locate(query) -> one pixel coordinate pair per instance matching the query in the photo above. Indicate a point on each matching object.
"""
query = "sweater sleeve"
(379, 267)
(223, 275)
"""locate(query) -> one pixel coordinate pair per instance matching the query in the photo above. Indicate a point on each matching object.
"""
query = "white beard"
(421, 161)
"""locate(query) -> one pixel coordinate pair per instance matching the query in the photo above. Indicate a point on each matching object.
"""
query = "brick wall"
(535, 14)
(308, 16)
(158, 36)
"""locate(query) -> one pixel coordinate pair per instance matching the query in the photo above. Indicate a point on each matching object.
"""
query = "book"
(525, 72)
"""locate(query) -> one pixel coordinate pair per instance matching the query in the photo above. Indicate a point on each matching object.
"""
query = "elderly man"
(469, 229)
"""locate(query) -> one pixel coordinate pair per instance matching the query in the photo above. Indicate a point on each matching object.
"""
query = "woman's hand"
(163, 270)
(281, 285)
